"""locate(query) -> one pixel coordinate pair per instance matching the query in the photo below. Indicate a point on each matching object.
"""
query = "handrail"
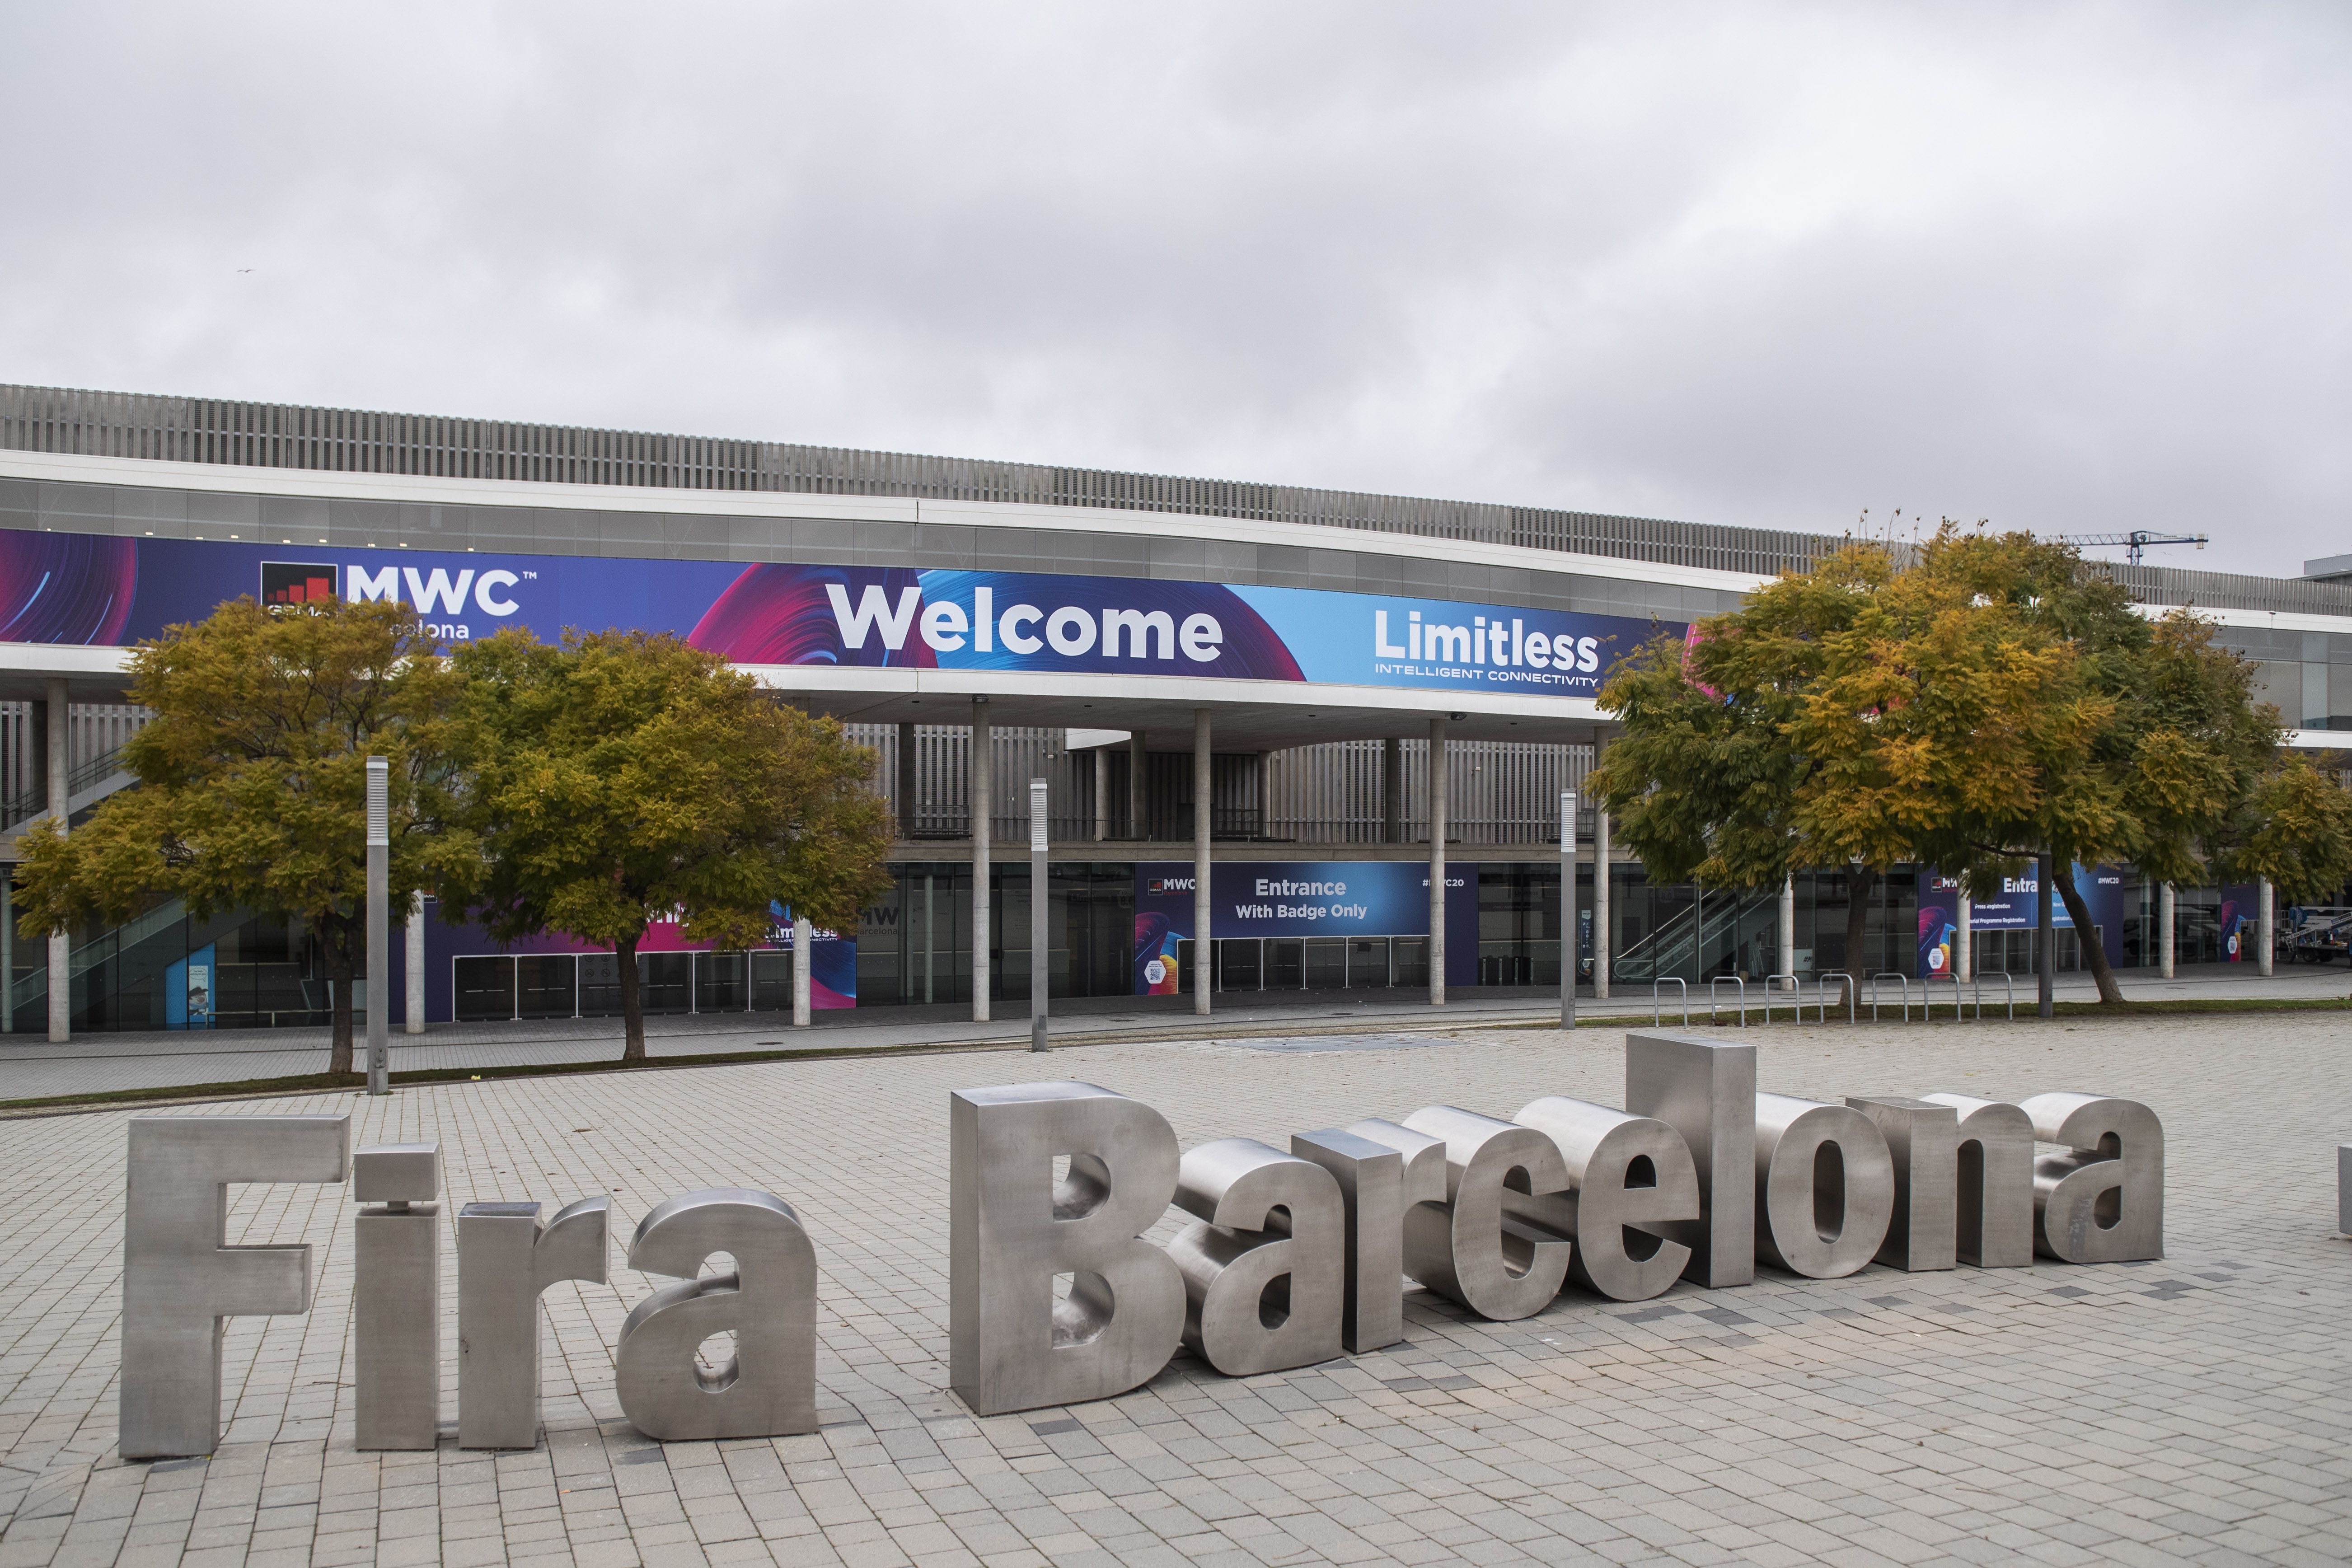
(2006, 979)
(1926, 997)
(95, 770)
(1902, 980)
(1796, 995)
(1712, 992)
(1822, 994)
(1657, 1008)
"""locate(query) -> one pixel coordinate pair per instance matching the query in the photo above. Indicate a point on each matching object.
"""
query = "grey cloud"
(2064, 268)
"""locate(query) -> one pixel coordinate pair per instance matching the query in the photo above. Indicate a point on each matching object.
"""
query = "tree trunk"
(2094, 951)
(1859, 883)
(339, 975)
(633, 1002)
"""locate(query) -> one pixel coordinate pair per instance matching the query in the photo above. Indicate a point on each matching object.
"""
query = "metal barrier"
(1927, 993)
(1902, 980)
(1796, 995)
(1657, 1010)
(1713, 993)
(1822, 994)
(2007, 980)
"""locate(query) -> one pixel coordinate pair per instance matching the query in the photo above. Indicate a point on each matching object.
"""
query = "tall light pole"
(1040, 970)
(379, 925)
(1567, 909)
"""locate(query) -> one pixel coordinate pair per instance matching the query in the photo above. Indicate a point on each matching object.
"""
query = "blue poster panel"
(2012, 908)
(1299, 898)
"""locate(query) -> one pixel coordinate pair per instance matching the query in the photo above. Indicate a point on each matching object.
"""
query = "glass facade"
(166, 971)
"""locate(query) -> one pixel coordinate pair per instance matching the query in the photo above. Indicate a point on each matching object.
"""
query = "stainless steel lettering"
(1382, 1170)
(1923, 1139)
(1480, 1247)
(2101, 1199)
(506, 1261)
(1825, 1188)
(1628, 1177)
(396, 1297)
(1012, 1229)
(768, 1387)
(180, 1276)
(1706, 1092)
(1263, 1269)
(1993, 1196)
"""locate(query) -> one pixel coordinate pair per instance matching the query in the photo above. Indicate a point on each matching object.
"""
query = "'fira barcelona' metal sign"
(1699, 1177)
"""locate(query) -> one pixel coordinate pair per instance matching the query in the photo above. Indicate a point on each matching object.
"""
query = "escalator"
(1703, 939)
(165, 970)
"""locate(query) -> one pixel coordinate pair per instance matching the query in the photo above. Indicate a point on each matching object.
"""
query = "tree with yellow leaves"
(1992, 700)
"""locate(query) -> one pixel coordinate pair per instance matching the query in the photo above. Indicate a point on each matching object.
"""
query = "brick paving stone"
(2192, 1410)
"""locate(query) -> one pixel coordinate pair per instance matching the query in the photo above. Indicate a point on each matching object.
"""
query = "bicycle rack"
(1822, 994)
(1712, 992)
(1926, 994)
(1796, 995)
(1902, 980)
(2009, 982)
(1657, 1010)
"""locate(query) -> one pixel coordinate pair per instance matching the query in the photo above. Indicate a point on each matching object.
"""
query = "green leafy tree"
(624, 778)
(252, 782)
(1703, 784)
(1991, 701)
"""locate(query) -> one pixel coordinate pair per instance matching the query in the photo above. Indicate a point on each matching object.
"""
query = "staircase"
(85, 787)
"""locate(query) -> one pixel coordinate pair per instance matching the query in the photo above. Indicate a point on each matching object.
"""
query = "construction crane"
(2136, 540)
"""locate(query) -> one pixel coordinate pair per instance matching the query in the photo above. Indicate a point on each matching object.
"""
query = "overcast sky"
(2065, 268)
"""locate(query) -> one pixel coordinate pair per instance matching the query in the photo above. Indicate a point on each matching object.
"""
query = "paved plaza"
(32, 1069)
(2197, 1409)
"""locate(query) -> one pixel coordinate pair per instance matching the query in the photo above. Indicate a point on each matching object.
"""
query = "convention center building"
(1302, 740)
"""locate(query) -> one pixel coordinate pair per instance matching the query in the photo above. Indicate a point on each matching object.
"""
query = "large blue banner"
(92, 590)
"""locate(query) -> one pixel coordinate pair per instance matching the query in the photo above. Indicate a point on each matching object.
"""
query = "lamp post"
(1039, 969)
(1567, 909)
(379, 925)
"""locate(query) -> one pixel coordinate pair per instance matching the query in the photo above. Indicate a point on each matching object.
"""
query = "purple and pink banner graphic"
(92, 590)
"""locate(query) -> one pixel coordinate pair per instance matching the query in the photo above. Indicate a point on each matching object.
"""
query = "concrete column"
(977, 792)
(1789, 929)
(1137, 768)
(1102, 794)
(1437, 813)
(2167, 925)
(415, 977)
(803, 948)
(60, 766)
(1964, 960)
(1204, 964)
(1601, 956)
(2266, 928)
(1392, 791)
(2046, 970)
(903, 795)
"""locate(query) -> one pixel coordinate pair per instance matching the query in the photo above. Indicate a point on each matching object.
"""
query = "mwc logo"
(438, 593)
